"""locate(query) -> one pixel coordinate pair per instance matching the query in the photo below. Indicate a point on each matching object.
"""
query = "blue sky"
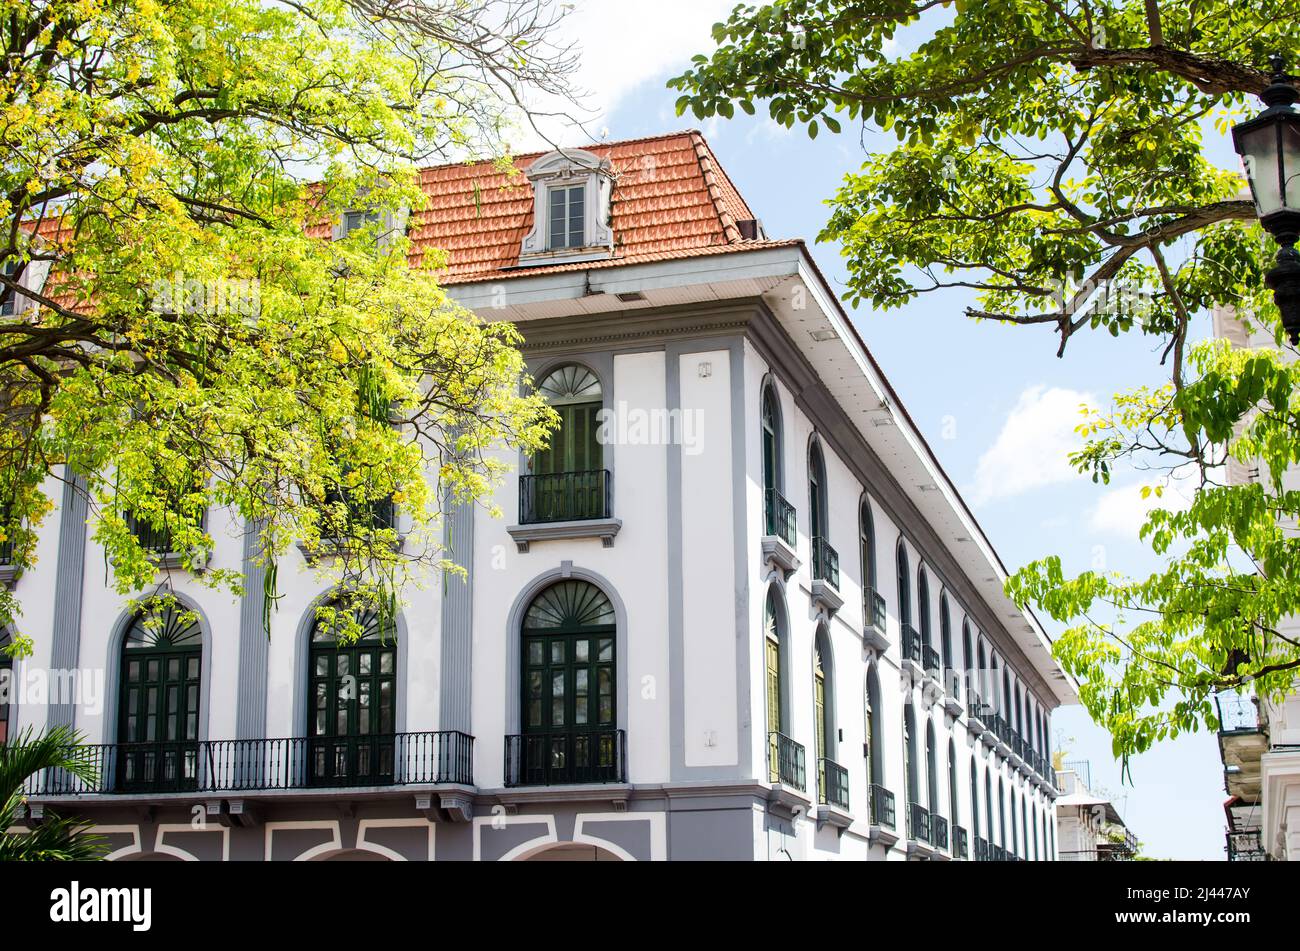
(995, 403)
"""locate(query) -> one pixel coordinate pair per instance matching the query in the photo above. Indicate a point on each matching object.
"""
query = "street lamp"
(1269, 146)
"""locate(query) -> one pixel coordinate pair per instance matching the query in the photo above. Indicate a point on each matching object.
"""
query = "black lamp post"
(1269, 146)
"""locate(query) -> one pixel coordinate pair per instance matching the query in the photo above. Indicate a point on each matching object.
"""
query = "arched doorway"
(158, 702)
(352, 688)
(569, 706)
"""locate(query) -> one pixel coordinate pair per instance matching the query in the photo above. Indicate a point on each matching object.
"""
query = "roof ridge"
(730, 230)
(470, 163)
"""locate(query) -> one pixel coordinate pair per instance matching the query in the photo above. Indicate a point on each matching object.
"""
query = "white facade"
(1261, 752)
(688, 565)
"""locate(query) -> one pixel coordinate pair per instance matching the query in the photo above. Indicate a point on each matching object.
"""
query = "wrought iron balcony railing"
(959, 847)
(785, 761)
(912, 644)
(882, 807)
(832, 784)
(826, 562)
(559, 759)
(930, 661)
(918, 822)
(981, 849)
(565, 497)
(873, 609)
(1236, 713)
(938, 831)
(975, 708)
(779, 517)
(1246, 847)
(400, 759)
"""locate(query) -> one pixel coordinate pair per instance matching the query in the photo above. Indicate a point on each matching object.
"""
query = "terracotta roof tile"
(671, 198)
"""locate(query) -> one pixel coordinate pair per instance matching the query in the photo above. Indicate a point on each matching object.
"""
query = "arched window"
(983, 666)
(954, 812)
(570, 671)
(1020, 712)
(1006, 694)
(1051, 841)
(904, 586)
(817, 514)
(1042, 822)
(778, 514)
(1015, 839)
(945, 641)
(1002, 813)
(873, 603)
(832, 784)
(988, 804)
(966, 657)
(6, 685)
(875, 754)
(353, 689)
(1033, 831)
(974, 799)
(931, 769)
(772, 653)
(567, 480)
(158, 702)
(909, 757)
(923, 604)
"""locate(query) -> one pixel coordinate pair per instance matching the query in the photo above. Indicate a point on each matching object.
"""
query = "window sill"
(826, 597)
(989, 739)
(976, 726)
(952, 707)
(173, 560)
(787, 799)
(875, 639)
(780, 555)
(9, 574)
(835, 817)
(882, 835)
(921, 851)
(566, 256)
(328, 548)
(606, 529)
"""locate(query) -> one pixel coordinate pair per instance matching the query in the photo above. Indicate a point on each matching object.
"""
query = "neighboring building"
(1091, 828)
(1259, 743)
(756, 622)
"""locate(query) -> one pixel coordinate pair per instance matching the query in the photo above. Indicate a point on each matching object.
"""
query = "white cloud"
(1122, 510)
(621, 46)
(1033, 447)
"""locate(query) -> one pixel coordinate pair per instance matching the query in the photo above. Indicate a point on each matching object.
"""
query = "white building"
(1259, 742)
(1090, 827)
(655, 654)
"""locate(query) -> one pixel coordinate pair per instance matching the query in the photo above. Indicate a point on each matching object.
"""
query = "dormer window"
(568, 215)
(356, 220)
(571, 209)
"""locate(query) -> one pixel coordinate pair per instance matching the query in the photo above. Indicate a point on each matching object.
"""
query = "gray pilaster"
(254, 644)
(69, 588)
(457, 619)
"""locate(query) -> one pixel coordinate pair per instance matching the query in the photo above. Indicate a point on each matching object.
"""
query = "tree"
(181, 335)
(1051, 159)
(54, 838)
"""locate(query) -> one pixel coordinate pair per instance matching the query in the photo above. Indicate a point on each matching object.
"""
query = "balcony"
(882, 807)
(779, 534)
(976, 712)
(832, 784)
(249, 766)
(918, 822)
(779, 518)
(959, 847)
(1246, 847)
(931, 663)
(873, 614)
(833, 795)
(566, 759)
(982, 850)
(564, 505)
(8, 573)
(785, 761)
(825, 576)
(938, 831)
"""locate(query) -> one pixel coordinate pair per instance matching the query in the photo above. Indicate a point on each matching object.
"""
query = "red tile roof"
(671, 199)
